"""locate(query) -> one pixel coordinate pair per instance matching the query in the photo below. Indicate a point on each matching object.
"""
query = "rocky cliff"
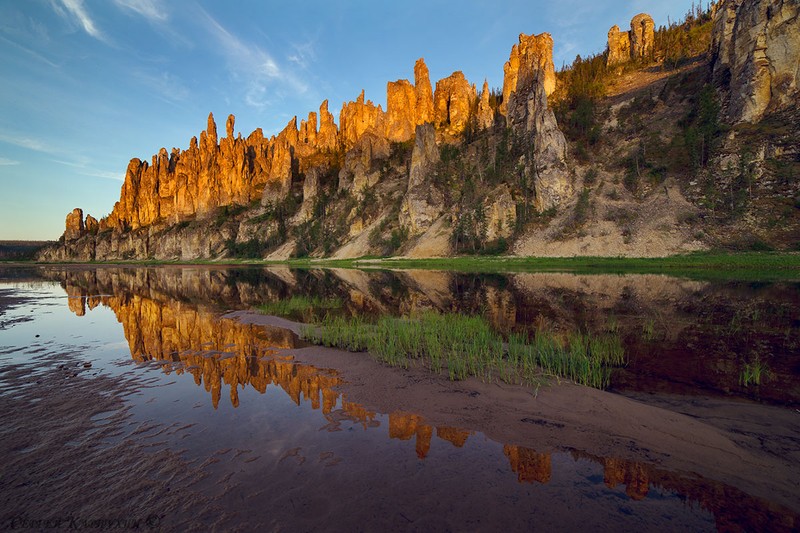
(274, 194)
(446, 169)
(756, 56)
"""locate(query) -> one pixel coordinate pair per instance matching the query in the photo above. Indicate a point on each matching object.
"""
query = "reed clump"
(464, 346)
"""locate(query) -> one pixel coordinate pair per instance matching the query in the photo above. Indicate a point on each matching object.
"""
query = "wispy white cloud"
(152, 10)
(59, 155)
(30, 143)
(29, 52)
(167, 86)
(76, 12)
(82, 166)
(304, 54)
(249, 63)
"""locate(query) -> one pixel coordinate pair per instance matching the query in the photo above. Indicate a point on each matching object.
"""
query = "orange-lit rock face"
(358, 117)
(422, 83)
(74, 225)
(216, 172)
(637, 43)
(533, 54)
(485, 115)
(401, 110)
(642, 36)
(619, 46)
(529, 465)
(452, 102)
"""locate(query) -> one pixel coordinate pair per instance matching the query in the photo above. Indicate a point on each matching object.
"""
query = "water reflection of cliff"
(188, 337)
(680, 335)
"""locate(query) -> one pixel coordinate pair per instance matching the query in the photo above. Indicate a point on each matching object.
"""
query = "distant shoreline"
(745, 265)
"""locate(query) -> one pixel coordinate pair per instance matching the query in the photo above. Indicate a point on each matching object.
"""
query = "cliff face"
(287, 184)
(529, 75)
(756, 56)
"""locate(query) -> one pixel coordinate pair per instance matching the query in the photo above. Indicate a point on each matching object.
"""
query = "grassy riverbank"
(705, 265)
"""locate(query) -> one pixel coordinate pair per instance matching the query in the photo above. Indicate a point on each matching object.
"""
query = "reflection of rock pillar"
(234, 394)
(634, 475)
(76, 300)
(424, 433)
(529, 465)
(404, 426)
(329, 398)
(456, 437)
(77, 304)
(214, 386)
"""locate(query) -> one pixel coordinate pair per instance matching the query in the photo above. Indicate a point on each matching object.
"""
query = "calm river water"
(129, 400)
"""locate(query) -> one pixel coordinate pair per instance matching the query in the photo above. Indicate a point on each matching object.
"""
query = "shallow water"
(246, 437)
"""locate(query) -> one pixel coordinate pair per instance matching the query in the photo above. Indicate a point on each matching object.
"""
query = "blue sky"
(89, 84)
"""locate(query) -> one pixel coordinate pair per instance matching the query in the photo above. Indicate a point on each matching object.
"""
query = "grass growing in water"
(466, 346)
(299, 304)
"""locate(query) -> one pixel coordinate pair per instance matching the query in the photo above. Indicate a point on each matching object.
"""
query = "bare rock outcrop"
(407, 105)
(485, 115)
(452, 103)
(75, 227)
(642, 36)
(619, 46)
(401, 110)
(423, 203)
(328, 135)
(533, 53)
(551, 180)
(638, 43)
(756, 56)
(358, 117)
(92, 225)
(501, 216)
(422, 83)
(361, 164)
(530, 117)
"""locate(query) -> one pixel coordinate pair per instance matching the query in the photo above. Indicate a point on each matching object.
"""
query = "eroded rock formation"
(529, 115)
(533, 53)
(407, 105)
(638, 43)
(485, 115)
(423, 204)
(167, 204)
(356, 118)
(75, 226)
(756, 56)
(452, 103)
(642, 36)
(619, 46)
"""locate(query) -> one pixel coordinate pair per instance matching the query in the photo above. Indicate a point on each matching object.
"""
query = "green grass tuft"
(464, 346)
